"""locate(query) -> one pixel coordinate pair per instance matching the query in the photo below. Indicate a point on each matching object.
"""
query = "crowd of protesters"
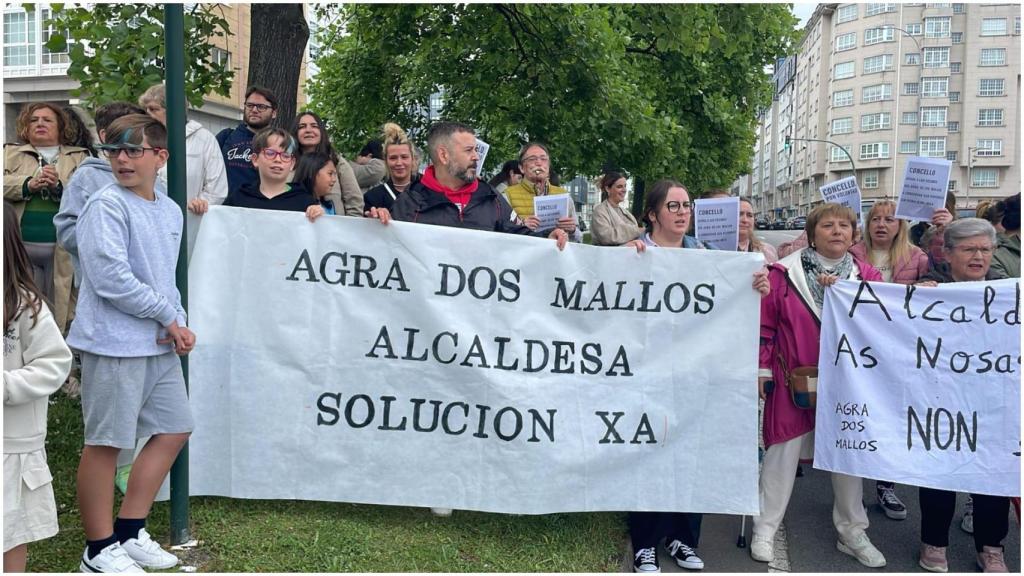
(91, 244)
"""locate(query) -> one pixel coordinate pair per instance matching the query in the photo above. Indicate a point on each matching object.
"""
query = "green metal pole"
(174, 39)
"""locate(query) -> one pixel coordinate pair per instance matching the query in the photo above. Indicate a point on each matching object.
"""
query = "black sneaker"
(646, 560)
(684, 556)
(890, 503)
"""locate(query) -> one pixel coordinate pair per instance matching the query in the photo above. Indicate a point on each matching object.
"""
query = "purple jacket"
(790, 328)
(906, 271)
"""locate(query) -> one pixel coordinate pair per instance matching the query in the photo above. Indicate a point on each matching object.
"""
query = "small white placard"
(481, 150)
(845, 192)
(550, 208)
(717, 222)
(925, 181)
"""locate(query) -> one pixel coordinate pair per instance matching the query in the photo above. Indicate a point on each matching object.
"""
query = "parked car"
(761, 223)
(797, 223)
(779, 224)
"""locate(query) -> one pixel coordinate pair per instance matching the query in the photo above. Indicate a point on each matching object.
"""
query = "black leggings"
(647, 528)
(991, 518)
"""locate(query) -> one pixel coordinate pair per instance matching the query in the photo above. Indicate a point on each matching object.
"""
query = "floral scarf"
(813, 267)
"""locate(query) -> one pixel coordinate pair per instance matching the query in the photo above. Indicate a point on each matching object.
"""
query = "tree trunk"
(639, 195)
(277, 42)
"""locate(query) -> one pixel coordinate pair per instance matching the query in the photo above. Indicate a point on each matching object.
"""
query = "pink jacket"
(904, 272)
(790, 328)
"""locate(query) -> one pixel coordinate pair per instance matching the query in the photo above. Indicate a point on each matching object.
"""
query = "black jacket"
(380, 196)
(249, 196)
(486, 210)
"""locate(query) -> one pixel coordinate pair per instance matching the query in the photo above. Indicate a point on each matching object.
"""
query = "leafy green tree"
(117, 50)
(661, 90)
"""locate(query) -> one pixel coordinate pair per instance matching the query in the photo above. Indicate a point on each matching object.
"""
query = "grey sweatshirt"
(92, 175)
(128, 248)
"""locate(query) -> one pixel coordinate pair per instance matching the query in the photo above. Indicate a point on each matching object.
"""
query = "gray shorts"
(124, 399)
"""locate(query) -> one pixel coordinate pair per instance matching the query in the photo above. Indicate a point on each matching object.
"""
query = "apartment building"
(882, 83)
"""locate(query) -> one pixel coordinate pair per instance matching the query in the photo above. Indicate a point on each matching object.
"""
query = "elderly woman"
(667, 215)
(35, 174)
(968, 245)
(790, 337)
(611, 225)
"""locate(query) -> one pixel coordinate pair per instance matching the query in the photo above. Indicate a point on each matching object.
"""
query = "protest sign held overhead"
(428, 366)
(921, 385)
(482, 148)
(925, 182)
(845, 192)
(717, 222)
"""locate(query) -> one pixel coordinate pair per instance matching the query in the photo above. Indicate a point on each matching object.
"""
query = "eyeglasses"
(532, 159)
(113, 152)
(677, 207)
(270, 154)
(258, 107)
(972, 250)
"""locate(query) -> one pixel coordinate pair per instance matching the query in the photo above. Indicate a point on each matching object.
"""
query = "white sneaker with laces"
(861, 548)
(147, 553)
(646, 561)
(684, 556)
(762, 548)
(113, 558)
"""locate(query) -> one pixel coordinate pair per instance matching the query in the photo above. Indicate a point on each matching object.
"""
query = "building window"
(876, 64)
(934, 87)
(911, 89)
(913, 59)
(954, 67)
(870, 179)
(954, 96)
(876, 93)
(844, 70)
(953, 127)
(221, 57)
(842, 98)
(936, 57)
(958, 37)
(842, 126)
(877, 35)
(915, 29)
(874, 150)
(990, 117)
(951, 156)
(958, 8)
(879, 121)
(990, 87)
(984, 178)
(909, 118)
(49, 30)
(846, 13)
(933, 146)
(952, 186)
(1016, 26)
(846, 41)
(875, 9)
(933, 116)
(989, 147)
(936, 27)
(836, 154)
(908, 147)
(993, 56)
(20, 38)
(993, 26)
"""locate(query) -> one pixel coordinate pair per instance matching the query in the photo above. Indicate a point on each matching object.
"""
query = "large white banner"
(417, 365)
(921, 385)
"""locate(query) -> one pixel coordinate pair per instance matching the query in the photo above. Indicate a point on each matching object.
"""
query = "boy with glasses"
(259, 110)
(273, 159)
(129, 327)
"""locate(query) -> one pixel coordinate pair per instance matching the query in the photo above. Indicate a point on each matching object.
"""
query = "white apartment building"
(886, 82)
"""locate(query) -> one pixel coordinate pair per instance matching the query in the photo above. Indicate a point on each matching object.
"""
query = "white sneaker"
(113, 558)
(441, 512)
(147, 553)
(863, 550)
(762, 548)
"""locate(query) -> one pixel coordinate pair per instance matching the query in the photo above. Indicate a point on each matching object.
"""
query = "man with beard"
(236, 143)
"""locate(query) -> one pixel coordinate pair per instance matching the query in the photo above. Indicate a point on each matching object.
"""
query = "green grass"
(293, 536)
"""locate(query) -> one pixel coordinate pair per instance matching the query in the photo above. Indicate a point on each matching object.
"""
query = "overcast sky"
(803, 11)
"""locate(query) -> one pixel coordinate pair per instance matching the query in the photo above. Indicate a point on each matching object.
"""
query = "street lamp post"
(845, 151)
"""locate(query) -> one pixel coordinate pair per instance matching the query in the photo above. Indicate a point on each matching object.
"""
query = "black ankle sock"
(97, 546)
(128, 528)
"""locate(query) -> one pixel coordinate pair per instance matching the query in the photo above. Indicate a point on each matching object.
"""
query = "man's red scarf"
(458, 197)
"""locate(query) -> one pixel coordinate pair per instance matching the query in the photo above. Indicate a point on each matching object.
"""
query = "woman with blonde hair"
(401, 159)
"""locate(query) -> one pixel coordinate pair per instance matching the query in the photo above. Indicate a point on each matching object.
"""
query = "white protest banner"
(921, 385)
(717, 222)
(845, 192)
(550, 208)
(925, 181)
(418, 365)
(482, 148)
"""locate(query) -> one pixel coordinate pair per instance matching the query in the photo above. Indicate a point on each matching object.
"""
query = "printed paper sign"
(925, 182)
(550, 208)
(921, 385)
(845, 192)
(717, 222)
(418, 365)
(482, 148)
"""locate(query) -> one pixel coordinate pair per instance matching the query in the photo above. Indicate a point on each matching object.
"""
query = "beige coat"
(612, 226)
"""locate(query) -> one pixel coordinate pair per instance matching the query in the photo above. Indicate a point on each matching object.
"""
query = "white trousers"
(778, 474)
